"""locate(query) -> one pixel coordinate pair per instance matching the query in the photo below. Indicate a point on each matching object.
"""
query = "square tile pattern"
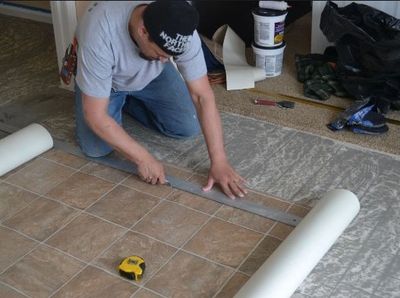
(85, 212)
(66, 224)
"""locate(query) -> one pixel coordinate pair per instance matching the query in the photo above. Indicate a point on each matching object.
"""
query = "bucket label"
(279, 63)
(271, 64)
(262, 30)
(279, 31)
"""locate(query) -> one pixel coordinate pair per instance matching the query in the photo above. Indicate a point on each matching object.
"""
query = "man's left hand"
(232, 183)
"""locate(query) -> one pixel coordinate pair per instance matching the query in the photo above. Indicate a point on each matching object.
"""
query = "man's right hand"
(96, 116)
(151, 170)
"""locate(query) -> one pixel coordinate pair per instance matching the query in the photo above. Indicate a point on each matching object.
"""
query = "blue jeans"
(164, 105)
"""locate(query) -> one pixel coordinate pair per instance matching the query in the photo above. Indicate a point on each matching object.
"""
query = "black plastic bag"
(367, 42)
(372, 36)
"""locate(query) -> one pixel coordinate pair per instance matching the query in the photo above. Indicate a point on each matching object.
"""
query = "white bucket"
(269, 58)
(269, 26)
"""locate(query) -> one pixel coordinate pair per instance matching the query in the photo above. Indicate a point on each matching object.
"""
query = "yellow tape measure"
(132, 268)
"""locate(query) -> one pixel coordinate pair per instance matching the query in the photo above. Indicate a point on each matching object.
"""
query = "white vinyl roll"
(23, 146)
(283, 272)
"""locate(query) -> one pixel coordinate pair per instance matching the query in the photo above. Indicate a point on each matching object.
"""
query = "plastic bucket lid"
(268, 12)
(260, 47)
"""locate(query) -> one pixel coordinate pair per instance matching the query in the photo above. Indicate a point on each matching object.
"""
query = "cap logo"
(175, 45)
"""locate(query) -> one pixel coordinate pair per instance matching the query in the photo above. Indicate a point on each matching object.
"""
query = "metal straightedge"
(123, 165)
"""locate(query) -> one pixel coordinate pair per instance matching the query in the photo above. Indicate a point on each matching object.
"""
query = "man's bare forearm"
(212, 130)
(220, 171)
(117, 138)
(110, 131)
(210, 122)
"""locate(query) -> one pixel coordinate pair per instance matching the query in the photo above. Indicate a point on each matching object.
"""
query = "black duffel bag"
(367, 42)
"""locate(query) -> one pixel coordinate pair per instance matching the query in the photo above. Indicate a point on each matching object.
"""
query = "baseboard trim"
(26, 13)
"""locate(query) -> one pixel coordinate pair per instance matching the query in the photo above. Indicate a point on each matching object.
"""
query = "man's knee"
(93, 147)
(187, 130)
(95, 152)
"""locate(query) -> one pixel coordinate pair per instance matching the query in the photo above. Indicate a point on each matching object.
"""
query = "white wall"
(319, 41)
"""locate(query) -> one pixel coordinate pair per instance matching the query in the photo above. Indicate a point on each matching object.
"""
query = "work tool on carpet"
(322, 105)
(132, 268)
(217, 196)
(284, 104)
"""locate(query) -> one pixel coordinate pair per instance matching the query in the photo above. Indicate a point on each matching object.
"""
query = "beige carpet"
(308, 115)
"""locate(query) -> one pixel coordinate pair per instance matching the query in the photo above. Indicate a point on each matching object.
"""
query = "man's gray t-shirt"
(108, 57)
